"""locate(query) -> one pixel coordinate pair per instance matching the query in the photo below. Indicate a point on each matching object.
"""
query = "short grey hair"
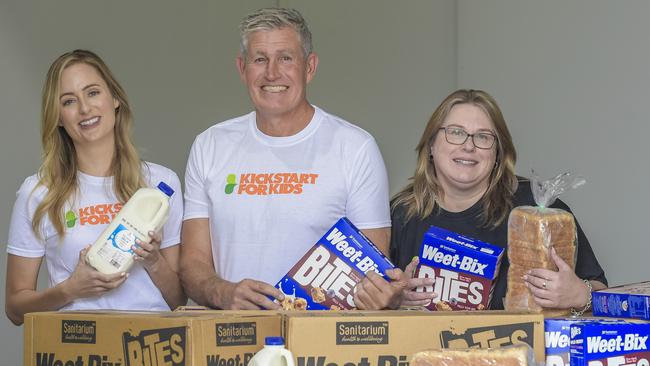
(272, 19)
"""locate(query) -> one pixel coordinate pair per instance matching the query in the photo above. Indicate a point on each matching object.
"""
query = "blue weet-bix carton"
(610, 343)
(626, 301)
(325, 278)
(557, 338)
(464, 269)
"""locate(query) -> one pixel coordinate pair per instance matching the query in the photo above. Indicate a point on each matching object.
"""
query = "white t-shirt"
(86, 218)
(269, 199)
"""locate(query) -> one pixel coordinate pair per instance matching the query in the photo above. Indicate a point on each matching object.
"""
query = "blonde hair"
(419, 197)
(58, 172)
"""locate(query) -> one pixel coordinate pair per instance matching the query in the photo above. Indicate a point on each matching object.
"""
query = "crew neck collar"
(311, 127)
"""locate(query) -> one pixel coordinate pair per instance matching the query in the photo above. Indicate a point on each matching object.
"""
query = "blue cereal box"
(325, 278)
(610, 343)
(626, 301)
(557, 338)
(464, 269)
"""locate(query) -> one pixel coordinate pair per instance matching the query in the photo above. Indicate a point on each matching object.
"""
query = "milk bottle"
(147, 210)
(273, 354)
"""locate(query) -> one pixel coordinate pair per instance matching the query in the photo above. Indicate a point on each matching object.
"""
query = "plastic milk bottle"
(147, 210)
(273, 354)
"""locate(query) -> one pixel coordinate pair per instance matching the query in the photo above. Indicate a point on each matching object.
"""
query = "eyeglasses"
(458, 136)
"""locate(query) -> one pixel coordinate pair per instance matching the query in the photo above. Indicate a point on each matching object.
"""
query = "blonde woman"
(90, 169)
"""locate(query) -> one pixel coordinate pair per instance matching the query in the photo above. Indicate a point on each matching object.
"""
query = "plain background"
(571, 78)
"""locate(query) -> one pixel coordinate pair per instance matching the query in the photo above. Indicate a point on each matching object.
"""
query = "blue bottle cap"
(169, 191)
(274, 341)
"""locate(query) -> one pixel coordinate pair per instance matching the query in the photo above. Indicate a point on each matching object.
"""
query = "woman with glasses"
(465, 182)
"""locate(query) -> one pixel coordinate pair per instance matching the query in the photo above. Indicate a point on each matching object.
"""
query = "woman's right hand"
(86, 281)
(411, 297)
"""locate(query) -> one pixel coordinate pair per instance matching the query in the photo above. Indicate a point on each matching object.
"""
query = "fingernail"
(123, 274)
(524, 277)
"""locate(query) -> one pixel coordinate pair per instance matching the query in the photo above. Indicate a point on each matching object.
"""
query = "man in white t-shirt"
(262, 188)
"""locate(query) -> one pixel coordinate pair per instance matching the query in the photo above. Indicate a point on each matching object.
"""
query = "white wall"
(384, 65)
(572, 79)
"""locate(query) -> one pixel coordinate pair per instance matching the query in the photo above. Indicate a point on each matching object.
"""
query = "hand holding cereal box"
(325, 278)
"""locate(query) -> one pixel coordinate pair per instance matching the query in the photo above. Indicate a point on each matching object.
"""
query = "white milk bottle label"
(146, 211)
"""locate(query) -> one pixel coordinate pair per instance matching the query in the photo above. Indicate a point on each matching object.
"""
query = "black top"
(406, 238)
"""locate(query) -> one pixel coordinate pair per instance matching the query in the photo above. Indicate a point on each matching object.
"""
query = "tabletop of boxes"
(321, 326)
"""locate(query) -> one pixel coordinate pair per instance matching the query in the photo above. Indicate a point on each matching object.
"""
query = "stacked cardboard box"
(390, 338)
(151, 339)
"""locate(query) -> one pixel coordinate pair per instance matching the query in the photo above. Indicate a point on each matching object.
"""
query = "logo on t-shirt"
(93, 215)
(262, 184)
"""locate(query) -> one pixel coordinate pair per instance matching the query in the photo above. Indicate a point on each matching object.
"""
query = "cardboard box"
(626, 301)
(390, 338)
(610, 343)
(464, 269)
(145, 339)
(325, 277)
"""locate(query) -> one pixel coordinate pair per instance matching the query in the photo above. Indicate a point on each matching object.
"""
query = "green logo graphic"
(231, 182)
(70, 219)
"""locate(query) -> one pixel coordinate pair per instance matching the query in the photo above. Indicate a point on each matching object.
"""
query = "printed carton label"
(325, 277)
(78, 331)
(490, 336)
(361, 333)
(156, 347)
(236, 334)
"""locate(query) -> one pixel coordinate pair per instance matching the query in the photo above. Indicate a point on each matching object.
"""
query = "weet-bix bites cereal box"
(626, 301)
(609, 343)
(557, 338)
(325, 277)
(464, 269)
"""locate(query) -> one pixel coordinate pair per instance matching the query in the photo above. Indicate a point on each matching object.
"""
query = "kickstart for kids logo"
(92, 215)
(262, 184)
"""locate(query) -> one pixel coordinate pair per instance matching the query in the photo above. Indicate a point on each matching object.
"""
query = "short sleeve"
(367, 205)
(22, 240)
(196, 199)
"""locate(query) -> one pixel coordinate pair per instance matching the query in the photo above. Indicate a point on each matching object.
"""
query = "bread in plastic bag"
(516, 355)
(532, 232)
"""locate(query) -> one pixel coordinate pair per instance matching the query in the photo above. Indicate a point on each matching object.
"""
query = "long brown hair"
(419, 196)
(58, 172)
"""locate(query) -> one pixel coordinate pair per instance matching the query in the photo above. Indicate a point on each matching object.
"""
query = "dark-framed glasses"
(458, 136)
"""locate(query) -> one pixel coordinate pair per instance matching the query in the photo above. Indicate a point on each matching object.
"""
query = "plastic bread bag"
(532, 232)
(515, 355)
